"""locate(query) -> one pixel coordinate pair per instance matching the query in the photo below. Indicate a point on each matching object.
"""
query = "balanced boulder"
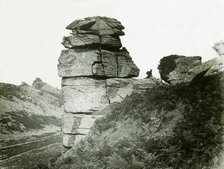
(96, 71)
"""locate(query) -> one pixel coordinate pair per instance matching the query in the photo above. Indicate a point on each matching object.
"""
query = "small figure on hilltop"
(149, 73)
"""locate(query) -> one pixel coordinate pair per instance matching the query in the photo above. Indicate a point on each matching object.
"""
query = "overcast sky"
(31, 32)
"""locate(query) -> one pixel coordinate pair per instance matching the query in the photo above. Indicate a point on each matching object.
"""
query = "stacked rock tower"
(94, 59)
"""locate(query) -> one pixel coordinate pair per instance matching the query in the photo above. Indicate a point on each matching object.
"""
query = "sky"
(31, 32)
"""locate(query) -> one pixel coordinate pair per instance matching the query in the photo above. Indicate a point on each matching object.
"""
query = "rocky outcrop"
(95, 71)
(219, 48)
(94, 49)
(185, 69)
(25, 107)
(39, 84)
(183, 66)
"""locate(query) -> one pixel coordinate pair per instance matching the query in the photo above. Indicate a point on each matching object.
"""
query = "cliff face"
(26, 107)
(96, 71)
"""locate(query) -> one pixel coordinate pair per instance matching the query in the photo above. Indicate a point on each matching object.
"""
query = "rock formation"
(219, 48)
(183, 66)
(95, 71)
(26, 107)
(184, 69)
(39, 84)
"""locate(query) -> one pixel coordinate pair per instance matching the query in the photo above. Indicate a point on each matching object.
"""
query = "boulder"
(81, 40)
(212, 66)
(189, 67)
(183, 66)
(85, 95)
(97, 25)
(77, 62)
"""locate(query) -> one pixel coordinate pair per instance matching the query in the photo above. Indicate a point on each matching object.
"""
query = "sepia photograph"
(111, 84)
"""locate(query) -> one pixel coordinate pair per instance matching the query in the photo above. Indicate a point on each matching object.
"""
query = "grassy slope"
(29, 108)
(168, 127)
(22, 121)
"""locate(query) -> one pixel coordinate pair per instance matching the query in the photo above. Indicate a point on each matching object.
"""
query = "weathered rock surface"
(86, 95)
(110, 42)
(77, 123)
(109, 61)
(119, 88)
(97, 25)
(81, 40)
(183, 65)
(126, 67)
(95, 71)
(186, 68)
(105, 63)
(119, 64)
(77, 62)
(212, 66)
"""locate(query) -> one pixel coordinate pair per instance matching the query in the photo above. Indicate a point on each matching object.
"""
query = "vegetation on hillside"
(9, 91)
(23, 121)
(168, 127)
(24, 107)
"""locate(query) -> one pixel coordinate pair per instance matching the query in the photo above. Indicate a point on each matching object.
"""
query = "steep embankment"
(169, 126)
(28, 107)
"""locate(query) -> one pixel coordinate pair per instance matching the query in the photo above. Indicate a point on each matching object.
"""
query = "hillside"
(26, 107)
(167, 127)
